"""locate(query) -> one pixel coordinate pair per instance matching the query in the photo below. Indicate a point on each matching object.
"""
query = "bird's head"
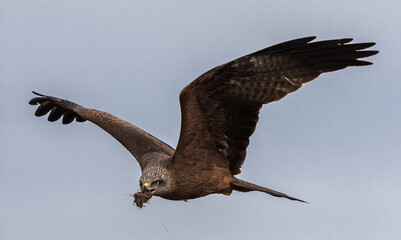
(155, 179)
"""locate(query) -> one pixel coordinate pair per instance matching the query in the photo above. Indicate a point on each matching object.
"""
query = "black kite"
(219, 114)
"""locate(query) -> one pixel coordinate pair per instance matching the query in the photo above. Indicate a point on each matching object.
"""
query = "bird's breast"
(196, 182)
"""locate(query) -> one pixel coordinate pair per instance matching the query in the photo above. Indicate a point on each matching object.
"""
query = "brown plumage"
(219, 114)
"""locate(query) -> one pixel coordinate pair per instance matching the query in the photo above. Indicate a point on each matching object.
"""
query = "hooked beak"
(146, 188)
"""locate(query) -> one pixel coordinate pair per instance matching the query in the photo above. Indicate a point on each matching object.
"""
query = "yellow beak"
(146, 188)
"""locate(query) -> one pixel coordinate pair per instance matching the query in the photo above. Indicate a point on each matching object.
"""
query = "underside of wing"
(135, 140)
(220, 108)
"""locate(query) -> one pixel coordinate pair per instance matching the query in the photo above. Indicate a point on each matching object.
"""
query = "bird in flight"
(219, 113)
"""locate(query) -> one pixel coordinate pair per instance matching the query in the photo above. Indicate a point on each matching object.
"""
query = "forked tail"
(244, 186)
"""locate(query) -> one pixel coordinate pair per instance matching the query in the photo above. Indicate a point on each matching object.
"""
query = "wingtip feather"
(345, 40)
(362, 63)
(310, 38)
(36, 93)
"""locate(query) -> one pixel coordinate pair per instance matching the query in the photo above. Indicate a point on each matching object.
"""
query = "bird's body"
(219, 114)
(206, 178)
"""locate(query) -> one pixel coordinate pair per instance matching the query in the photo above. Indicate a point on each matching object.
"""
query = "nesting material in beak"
(142, 197)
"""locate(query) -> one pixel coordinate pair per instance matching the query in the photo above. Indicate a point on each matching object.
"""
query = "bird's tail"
(244, 186)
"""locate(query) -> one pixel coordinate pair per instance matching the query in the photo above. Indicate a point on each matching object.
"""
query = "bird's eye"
(155, 183)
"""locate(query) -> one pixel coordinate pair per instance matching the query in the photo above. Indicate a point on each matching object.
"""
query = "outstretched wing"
(134, 139)
(220, 108)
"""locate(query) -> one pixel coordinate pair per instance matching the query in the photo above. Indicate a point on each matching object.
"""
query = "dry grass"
(141, 198)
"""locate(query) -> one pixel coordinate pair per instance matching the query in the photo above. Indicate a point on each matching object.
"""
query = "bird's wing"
(220, 108)
(135, 140)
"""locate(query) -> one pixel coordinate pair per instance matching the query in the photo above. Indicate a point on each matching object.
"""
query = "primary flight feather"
(219, 113)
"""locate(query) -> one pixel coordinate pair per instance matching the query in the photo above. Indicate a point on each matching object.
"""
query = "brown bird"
(219, 114)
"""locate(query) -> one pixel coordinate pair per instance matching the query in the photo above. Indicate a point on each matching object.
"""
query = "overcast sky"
(335, 143)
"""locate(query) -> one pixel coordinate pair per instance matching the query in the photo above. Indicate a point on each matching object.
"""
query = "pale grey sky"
(335, 143)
